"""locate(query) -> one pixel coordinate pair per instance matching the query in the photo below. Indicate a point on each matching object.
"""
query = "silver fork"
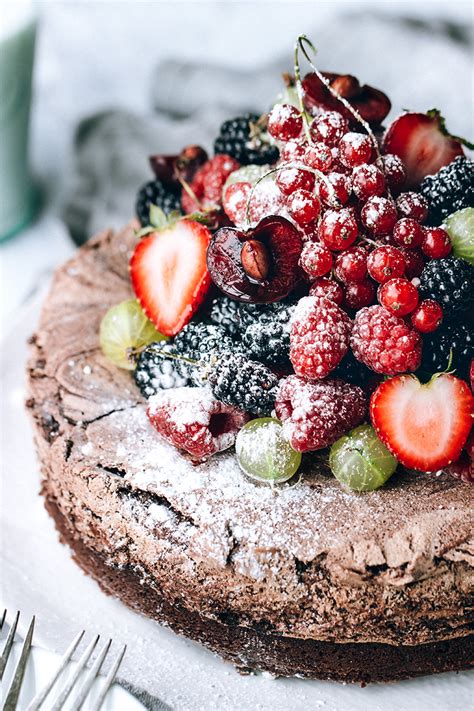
(81, 688)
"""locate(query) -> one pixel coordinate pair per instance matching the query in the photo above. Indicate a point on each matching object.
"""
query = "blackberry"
(244, 139)
(267, 336)
(246, 384)
(200, 340)
(156, 193)
(450, 282)
(154, 373)
(456, 338)
(451, 189)
(225, 312)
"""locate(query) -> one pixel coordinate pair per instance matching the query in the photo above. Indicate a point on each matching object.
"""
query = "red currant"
(436, 243)
(385, 263)
(379, 215)
(329, 289)
(367, 180)
(316, 260)
(414, 262)
(412, 205)
(293, 151)
(394, 170)
(355, 149)
(291, 179)
(284, 122)
(351, 265)
(399, 296)
(359, 294)
(341, 189)
(303, 206)
(427, 316)
(318, 156)
(408, 233)
(338, 229)
(328, 128)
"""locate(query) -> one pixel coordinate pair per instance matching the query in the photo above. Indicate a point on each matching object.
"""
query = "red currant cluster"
(364, 238)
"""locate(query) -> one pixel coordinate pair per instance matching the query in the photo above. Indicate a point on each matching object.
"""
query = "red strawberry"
(169, 274)
(425, 426)
(423, 144)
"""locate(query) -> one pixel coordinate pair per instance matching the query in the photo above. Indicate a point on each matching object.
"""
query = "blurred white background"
(93, 56)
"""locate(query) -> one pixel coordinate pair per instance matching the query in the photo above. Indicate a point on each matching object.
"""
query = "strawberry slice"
(169, 274)
(425, 426)
(423, 144)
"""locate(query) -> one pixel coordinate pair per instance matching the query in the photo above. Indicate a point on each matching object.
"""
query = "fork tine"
(8, 646)
(67, 688)
(35, 704)
(3, 619)
(89, 680)
(15, 686)
(109, 680)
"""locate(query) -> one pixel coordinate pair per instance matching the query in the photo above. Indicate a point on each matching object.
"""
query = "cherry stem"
(284, 166)
(300, 44)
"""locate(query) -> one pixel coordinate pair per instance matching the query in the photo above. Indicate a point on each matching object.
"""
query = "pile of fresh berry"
(307, 272)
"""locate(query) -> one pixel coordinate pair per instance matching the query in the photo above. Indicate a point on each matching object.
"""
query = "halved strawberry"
(425, 426)
(423, 144)
(169, 274)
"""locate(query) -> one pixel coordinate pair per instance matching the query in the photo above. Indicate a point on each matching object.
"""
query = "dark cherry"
(169, 168)
(257, 266)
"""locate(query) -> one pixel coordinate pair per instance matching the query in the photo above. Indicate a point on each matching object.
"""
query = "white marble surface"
(97, 55)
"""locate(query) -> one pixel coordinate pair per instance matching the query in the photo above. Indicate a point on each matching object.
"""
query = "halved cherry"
(257, 266)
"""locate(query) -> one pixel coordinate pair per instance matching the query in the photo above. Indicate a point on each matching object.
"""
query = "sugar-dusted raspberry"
(316, 414)
(192, 420)
(328, 289)
(319, 337)
(207, 184)
(412, 205)
(379, 215)
(384, 342)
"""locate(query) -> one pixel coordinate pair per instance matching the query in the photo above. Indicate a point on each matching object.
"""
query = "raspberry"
(319, 337)
(207, 184)
(244, 383)
(450, 282)
(316, 414)
(154, 373)
(451, 189)
(243, 138)
(156, 193)
(384, 342)
(193, 421)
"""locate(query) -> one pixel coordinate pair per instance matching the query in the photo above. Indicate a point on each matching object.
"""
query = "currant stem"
(300, 44)
(175, 356)
(300, 93)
